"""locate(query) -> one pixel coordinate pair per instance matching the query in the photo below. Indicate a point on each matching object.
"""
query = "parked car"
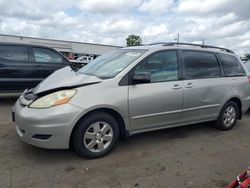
(85, 59)
(133, 90)
(81, 61)
(24, 65)
(77, 64)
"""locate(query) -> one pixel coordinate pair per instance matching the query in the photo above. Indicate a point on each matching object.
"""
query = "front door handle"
(176, 86)
(38, 66)
(189, 85)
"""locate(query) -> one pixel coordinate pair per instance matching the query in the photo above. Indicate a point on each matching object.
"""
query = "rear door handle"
(176, 86)
(2, 65)
(189, 85)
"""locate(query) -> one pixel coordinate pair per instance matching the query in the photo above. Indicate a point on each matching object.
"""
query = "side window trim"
(222, 73)
(64, 59)
(183, 64)
(31, 55)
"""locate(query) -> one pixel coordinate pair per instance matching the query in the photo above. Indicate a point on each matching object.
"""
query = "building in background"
(70, 49)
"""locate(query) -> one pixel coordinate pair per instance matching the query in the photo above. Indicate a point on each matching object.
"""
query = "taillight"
(248, 77)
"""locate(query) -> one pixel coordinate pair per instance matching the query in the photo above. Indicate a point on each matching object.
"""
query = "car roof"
(185, 46)
(23, 44)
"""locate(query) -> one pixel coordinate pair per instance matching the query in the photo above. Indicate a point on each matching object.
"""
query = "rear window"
(231, 65)
(198, 65)
(13, 53)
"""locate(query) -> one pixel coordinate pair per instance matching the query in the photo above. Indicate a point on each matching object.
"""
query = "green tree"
(247, 56)
(134, 40)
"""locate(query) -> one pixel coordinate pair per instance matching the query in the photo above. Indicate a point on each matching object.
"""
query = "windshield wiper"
(93, 75)
(105, 77)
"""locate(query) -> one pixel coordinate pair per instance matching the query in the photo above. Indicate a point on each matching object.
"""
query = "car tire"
(96, 135)
(228, 116)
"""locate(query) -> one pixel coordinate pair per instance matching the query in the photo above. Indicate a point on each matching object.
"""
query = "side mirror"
(141, 77)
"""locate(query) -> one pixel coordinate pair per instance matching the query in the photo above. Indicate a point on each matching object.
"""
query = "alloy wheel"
(98, 136)
(229, 116)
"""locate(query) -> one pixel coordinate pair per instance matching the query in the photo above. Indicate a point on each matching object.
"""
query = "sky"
(223, 23)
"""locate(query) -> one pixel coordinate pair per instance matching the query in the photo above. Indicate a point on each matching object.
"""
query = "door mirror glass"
(141, 77)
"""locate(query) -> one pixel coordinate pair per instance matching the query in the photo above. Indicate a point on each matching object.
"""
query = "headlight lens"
(54, 99)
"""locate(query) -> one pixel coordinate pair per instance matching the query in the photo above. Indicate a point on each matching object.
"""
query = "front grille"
(23, 101)
(29, 95)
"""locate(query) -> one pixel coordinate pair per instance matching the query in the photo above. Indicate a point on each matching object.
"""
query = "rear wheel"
(96, 135)
(228, 116)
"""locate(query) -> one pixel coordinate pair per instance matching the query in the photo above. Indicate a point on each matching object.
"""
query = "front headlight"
(54, 99)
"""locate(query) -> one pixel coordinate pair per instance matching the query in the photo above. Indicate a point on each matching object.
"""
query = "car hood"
(64, 78)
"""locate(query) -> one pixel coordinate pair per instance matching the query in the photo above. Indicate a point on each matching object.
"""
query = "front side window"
(231, 65)
(43, 55)
(111, 64)
(198, 65)
(162, 66)
(13, 53)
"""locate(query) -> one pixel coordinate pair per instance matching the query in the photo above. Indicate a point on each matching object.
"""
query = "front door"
(159, 103)
(46, 61)
(15, 68)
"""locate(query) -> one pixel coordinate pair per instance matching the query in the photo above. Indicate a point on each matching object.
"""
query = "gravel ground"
(192, 156)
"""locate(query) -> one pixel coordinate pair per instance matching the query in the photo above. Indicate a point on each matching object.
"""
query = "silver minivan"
(133, 90)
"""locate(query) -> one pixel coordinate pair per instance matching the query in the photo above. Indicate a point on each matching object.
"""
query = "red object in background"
(71, 56)
(248, 77)
(242, 181)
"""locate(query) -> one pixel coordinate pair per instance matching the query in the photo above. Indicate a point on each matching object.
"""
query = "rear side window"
(43, 55)
(198, 65)
(231, 65)
(13, 53)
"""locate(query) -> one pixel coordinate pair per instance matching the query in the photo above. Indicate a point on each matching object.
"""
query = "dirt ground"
(193, 156)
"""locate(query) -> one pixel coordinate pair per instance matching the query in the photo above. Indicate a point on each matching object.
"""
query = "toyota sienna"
(133, 90)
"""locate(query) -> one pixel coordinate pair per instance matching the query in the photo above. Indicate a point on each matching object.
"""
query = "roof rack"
(190, 44)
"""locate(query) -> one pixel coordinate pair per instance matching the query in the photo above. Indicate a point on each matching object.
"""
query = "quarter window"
(162, 66)
(231, 65)
(43, 55)
(13, 53)
(198, 65)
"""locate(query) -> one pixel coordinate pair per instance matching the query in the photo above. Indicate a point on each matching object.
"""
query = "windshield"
(111, 64)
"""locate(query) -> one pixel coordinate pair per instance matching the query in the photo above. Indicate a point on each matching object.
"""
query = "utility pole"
(178, 38)
(203, 41)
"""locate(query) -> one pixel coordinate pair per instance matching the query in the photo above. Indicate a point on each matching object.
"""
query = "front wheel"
(96, 135)
(228, 116)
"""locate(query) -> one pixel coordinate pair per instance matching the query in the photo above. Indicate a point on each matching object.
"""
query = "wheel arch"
(238, 102)
(122, 127)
